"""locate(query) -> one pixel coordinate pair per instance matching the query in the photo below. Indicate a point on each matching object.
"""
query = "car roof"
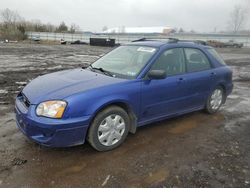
(157, 43)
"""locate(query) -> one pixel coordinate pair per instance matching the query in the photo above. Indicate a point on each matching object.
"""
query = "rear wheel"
(109, 129)
(215, 100)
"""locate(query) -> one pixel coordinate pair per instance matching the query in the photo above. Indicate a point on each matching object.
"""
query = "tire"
(109, 129)
(215, 100)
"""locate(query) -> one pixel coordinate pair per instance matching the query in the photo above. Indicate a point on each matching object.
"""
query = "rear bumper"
(51, 132)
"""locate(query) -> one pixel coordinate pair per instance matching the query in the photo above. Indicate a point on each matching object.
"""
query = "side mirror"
(157, 74)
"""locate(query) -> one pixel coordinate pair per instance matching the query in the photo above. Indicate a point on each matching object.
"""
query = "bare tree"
(12, 25)
(9, 17)
(105, 28)
(62, 28)
(181, 30)
(50, 27)
(74, 28)
(238, 18)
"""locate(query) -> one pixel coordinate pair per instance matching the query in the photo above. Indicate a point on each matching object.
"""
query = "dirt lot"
(195, 150)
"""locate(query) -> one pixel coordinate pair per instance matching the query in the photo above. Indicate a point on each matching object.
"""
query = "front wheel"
(215, 100)
(109, 129)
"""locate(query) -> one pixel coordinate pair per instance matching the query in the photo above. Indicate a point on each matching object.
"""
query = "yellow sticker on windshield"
(146, 49)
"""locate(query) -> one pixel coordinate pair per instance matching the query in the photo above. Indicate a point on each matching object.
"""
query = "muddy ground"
(194, 150)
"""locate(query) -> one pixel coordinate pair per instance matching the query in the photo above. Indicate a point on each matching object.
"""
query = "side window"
(196, 60)
(172, 61)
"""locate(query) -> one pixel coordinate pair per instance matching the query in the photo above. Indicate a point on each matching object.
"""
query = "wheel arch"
(125, 106)
(222, 85)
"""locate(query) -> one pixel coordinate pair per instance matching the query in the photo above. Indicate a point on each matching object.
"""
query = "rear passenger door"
(200, 77)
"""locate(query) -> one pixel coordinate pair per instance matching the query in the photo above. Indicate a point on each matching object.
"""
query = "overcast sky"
(199, 15)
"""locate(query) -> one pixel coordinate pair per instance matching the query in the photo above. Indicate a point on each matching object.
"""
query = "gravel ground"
(194, 150)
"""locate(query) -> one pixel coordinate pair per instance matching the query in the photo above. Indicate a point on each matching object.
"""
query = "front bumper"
(51, 132)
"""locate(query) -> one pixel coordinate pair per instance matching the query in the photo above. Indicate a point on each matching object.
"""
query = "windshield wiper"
(101, 70)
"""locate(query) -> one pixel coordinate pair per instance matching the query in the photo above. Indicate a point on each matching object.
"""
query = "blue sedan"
(133, 85)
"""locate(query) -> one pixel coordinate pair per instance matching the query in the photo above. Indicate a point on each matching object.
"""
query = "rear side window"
(196, 60)
(216, 56)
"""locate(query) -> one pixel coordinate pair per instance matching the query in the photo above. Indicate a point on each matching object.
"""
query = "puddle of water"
(157, 176)
(184, 126)
(72, 169)
(2, 91)
(21, 83)
(233, 96)
(188, 123)
(239, 107)
(55, 67)
(85, 55)
(236, 124)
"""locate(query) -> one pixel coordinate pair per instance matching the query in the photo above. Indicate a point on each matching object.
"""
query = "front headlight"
(51, 109)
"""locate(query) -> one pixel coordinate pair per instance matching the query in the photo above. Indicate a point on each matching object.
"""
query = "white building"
(134, 30)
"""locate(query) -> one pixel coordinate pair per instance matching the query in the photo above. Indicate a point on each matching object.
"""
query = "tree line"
(14, 27)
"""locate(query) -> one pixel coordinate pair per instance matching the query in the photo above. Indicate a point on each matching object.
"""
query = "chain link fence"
(124, 38)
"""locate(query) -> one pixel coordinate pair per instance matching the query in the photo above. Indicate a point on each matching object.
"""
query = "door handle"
(212, 74)
(180, 80)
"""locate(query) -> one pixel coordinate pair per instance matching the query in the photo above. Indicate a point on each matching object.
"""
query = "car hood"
(62, 84)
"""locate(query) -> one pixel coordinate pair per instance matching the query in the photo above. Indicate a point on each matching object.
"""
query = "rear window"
(216, 56)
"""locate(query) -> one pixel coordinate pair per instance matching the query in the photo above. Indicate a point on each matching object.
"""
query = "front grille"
(24, 100)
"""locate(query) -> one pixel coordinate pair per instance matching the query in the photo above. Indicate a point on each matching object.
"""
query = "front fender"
(104, 102)
(89, 103)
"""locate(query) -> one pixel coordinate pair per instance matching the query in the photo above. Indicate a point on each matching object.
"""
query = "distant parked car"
(78, 42)
(133, 85)
(36, 39)
(102, 42)
(219, 44)
(63, 42)
(233, 44)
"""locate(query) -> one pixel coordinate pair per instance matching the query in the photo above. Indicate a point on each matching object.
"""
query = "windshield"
(125, 61)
